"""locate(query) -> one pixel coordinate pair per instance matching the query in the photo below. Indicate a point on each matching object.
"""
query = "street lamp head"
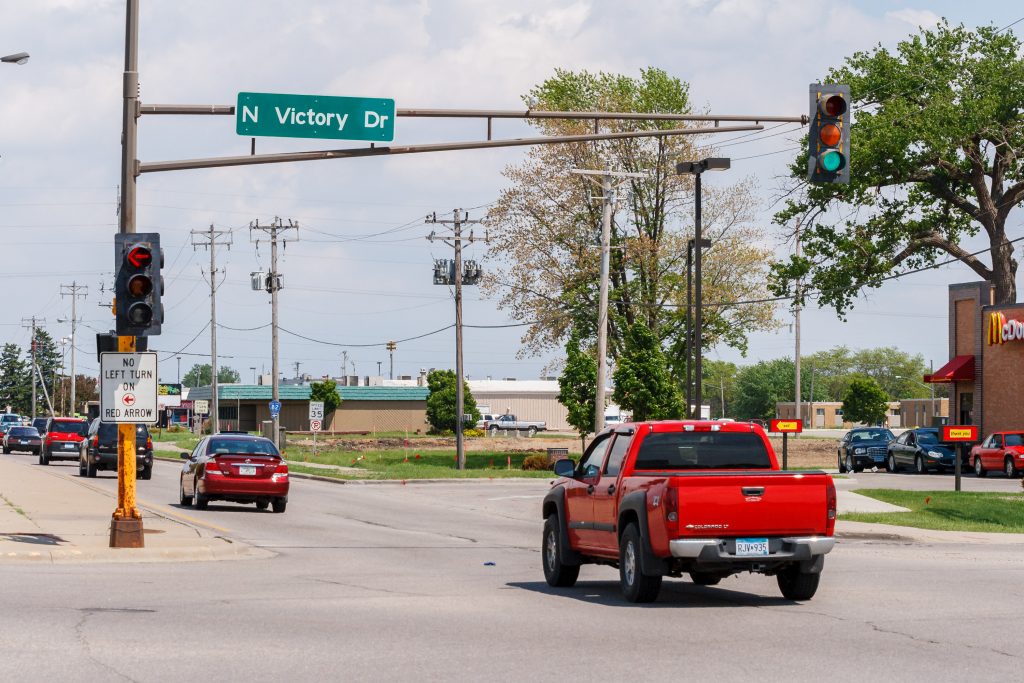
(17, 58)
(709, 164)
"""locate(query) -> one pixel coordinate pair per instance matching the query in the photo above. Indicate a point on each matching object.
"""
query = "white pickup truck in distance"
(510, 423)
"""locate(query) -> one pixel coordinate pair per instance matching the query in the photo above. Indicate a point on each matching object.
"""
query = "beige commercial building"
(531, 399)
(829, 414)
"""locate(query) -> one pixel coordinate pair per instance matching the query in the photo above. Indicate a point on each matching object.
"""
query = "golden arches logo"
(996, 322)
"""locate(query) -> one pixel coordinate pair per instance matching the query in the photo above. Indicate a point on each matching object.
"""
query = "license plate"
(69, 445)
(751, 547)
(23, 442)
(247, 469)
(878, 458)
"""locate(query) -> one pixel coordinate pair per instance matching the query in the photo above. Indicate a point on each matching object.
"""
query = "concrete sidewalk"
(848, 501)
(48, 517)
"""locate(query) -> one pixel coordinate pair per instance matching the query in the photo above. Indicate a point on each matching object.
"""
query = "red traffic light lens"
(139, 256)
(139, 285)
(829, 134)
(140, 314)
(832, 105)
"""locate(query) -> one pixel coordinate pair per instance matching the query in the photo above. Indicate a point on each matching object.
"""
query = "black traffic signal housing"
(138, 284)
(828, 140)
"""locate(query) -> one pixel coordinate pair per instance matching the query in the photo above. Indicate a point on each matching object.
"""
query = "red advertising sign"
(786, 426)
(965, 433)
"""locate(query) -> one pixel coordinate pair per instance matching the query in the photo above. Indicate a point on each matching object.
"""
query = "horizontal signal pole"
(229, 110)
(249, 160)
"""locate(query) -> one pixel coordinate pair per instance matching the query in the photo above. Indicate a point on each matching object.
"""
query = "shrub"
(536, 462)
(474, 432)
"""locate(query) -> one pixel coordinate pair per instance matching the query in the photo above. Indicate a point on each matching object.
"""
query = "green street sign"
(315, 116)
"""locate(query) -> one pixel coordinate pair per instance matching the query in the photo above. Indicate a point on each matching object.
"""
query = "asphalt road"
(387, 581)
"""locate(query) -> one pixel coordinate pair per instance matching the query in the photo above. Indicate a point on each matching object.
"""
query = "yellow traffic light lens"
(139, 285)
(829, 134)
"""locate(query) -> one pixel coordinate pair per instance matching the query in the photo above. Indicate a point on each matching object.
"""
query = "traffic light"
(829, 135)
(138, 284)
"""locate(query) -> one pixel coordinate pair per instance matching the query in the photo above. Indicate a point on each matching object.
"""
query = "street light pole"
(697, 168)
(16, 58)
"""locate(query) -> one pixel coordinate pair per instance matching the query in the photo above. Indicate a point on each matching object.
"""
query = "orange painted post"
(126, 524)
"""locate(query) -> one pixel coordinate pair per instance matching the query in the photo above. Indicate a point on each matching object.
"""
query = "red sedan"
(235, 467)
(1000, 451)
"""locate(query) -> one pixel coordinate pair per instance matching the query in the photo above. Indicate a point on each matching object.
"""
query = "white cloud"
(918, 18)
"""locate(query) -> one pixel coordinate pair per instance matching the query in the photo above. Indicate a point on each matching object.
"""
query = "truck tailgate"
(751, 503)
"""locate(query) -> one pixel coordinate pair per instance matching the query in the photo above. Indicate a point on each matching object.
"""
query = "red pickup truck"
(700, 497)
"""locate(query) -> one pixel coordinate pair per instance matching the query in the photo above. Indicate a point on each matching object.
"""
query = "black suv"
(99, 450)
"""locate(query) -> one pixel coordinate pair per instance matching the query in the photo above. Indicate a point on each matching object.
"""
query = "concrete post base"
(126, 533)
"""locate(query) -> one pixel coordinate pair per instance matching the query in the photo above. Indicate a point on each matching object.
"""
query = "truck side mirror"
(564, 468)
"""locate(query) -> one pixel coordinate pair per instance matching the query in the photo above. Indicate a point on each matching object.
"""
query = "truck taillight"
(95, 441)
(830, 505)
(149, 443)
(672, 504)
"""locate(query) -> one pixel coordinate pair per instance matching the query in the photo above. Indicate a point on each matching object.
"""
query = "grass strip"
(947, 510)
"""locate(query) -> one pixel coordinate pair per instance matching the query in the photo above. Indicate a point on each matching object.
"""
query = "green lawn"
(183, 439)
(947, 510)
(403, 464)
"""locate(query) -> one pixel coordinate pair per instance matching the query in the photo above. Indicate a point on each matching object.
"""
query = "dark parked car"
(99, 450)
(922, 450)
(22, 439)
(40, 424)
(864, 447)
(235, 467)
(62, 439)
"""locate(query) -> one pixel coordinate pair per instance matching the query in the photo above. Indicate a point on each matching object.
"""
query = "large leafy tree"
(325, 390)
(760, 386)
(719, 386)
(937, 138)
(548, 225)
(441, 397)
(898, 373)
(201, 375)
(577, 386)
(15, 388)
(643, 384)
(865, 401)
(48, 362)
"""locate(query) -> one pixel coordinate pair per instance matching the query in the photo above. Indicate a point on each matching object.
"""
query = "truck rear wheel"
(797, 585)
(636, 586)
(556, 572)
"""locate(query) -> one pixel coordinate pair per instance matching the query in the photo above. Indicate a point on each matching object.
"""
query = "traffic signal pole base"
(126, 533)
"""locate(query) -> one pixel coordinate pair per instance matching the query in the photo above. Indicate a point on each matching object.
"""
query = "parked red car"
(701, 497)
(1000, 451)
(235, 467)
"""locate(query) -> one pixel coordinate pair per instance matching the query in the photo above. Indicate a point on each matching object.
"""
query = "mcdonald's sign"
(1001, 330)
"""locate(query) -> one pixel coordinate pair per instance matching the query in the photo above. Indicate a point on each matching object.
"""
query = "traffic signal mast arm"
(488, 114)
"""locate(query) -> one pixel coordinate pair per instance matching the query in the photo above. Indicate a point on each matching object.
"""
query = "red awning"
(960, 369)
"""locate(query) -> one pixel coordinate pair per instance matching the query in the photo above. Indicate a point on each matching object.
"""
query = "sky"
(343, 281)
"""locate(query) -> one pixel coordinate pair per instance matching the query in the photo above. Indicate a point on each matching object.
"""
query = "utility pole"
(275, 229)
(344, 368)
(210, 239)
(604, 180)
(391, 352)
(796, 331)
(297, 365)
(74, 290)
(31, 324)
(447, 273)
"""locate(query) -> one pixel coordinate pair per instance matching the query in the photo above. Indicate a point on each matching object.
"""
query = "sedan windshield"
(1014, 439)
(702, 450)
(872, 435)
(242, 446)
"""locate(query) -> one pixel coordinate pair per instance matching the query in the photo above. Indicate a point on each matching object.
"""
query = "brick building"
(986, 351)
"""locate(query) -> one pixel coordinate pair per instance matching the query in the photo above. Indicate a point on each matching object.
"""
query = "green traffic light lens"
(140, 314)
(832, 161)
